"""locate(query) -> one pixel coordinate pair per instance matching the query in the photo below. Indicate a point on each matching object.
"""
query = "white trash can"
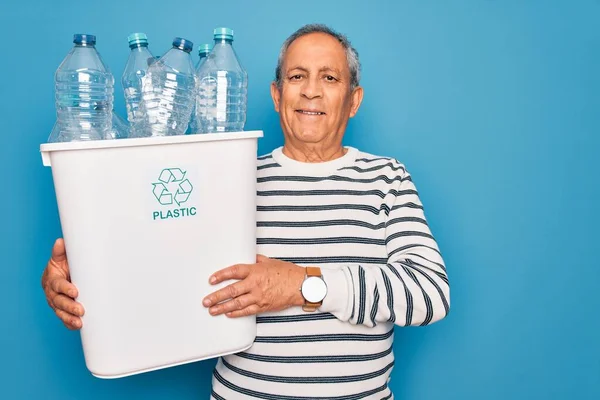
(145, 222)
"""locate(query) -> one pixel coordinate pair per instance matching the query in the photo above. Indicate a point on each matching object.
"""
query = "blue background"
(492, 105)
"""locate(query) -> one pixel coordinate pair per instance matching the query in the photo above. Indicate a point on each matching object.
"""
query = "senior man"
(344, 250)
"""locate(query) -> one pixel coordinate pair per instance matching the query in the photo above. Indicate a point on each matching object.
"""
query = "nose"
(312, 88)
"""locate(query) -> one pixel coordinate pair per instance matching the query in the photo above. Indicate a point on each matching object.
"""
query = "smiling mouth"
(307, 112)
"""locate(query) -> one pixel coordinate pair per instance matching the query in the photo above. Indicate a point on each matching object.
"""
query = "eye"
(330, 78)
(295, 77)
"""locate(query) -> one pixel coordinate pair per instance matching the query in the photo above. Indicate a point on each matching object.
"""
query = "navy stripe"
(407, 205)
(268, 396)
(335, 192)
(336, 178)
(440, 275)
(216, 396)
(390, 296)
(375, 168)
(407, 293)
(442, 266)
(411, 246)
(386, 209)
(314, 224)
(294, 318)
(428, 305)
(368, 160)
(265, 157)
(335, 260)
(362, 292)
(415, 267)
(317, 241)
(346, 337)
(397, 235)
(406, 219)
(265, 166)
(328, 207)
(336, 222)
(315, 359)
(375, 306)
(389, 396)
(308, 379)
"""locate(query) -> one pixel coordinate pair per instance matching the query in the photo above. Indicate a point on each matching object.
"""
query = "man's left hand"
(268, 285)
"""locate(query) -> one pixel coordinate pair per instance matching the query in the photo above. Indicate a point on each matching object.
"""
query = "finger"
(63, 286)
(59, 253)
(68, 305)
(70, 321)
(237, 303)
(238, 271)
(250, 310)
(228, 292)
(260, 258)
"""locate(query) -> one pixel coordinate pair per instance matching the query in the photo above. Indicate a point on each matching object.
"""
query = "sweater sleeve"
(412, 288)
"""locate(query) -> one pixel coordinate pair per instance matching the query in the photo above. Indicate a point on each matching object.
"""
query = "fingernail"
(206, 302)
(72, 293)
(212, 311)
(213, 279)
(228, 314)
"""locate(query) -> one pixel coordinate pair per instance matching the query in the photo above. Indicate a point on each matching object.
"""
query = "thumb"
(59, 253)
(260, 258)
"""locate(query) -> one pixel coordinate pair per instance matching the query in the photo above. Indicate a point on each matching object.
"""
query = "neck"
(313, 153)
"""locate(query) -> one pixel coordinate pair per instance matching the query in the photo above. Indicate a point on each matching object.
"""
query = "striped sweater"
(360, 219)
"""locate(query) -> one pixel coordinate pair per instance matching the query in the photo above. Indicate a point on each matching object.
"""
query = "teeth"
(311, 112)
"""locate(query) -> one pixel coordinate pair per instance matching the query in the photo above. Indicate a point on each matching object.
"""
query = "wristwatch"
(313, 289)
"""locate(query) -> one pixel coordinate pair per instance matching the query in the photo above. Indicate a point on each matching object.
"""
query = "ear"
(275, 95)
(357, 96)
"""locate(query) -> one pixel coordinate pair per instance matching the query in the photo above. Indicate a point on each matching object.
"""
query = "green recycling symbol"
(172, 180)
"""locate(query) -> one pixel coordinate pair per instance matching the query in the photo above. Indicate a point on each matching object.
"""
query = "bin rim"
(149, 141)
(47, 148)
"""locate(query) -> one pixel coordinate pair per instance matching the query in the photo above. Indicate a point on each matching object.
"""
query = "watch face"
(314, 289)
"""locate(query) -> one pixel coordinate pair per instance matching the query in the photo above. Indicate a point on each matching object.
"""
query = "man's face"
(314, 101)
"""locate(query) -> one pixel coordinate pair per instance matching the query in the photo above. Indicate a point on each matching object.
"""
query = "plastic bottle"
(222, 87)
(120, 128)
(133, 76)
(84, 88)
(203, 51)
(168, 92)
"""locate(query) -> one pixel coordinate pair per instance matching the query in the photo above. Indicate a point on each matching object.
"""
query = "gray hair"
(351, 53)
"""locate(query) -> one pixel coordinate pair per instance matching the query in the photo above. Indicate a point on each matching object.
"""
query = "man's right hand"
(60, 292)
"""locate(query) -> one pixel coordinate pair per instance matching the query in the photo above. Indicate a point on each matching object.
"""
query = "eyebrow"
(322, 69)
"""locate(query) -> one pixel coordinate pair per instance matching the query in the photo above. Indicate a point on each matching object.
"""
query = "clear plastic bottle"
(133, 76)
(203, 52)
(84, 88)
(120, 128)
(168, 92)
(222, 87)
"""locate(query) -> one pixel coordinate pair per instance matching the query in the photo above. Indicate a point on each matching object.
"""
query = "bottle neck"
(223, 41)
(138, 46)
(79, 45)
(180, 49)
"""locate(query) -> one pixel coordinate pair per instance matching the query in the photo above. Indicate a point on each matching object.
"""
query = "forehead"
(314, 51)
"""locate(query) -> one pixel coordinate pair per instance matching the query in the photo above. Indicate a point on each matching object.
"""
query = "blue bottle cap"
(223, 33)
(82, 38)
(137, 38)
(183, 44)
(204, 49)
